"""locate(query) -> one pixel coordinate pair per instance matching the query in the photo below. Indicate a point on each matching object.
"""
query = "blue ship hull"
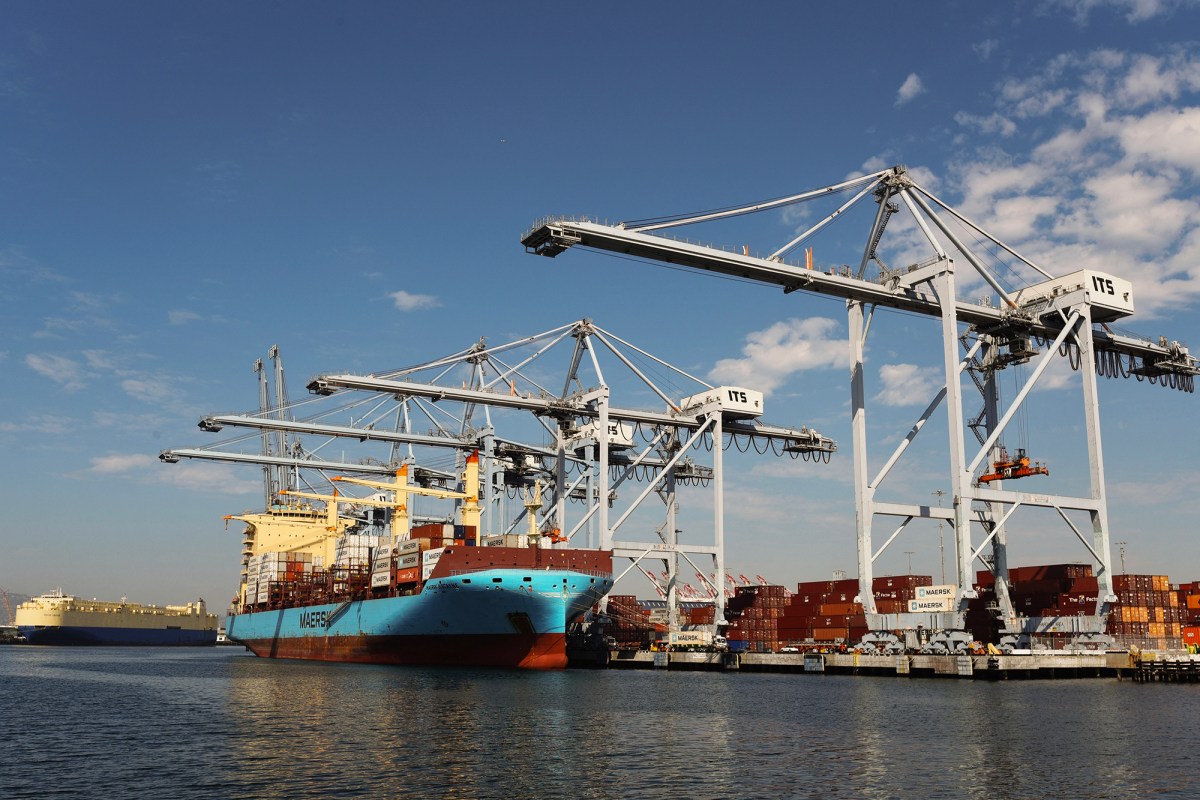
(135, 637)
(496, 617)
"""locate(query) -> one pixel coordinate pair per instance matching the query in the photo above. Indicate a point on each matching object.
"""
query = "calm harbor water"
(218, 723)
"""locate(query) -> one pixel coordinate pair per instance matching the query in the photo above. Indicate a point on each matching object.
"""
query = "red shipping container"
(1085, 584)
(834, 609)
(411, 575)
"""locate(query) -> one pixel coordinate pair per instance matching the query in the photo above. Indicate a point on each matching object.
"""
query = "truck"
(696, 641)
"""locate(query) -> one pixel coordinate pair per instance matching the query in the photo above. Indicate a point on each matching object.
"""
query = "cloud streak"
(911, 87)
(406, 301)
(773, 355)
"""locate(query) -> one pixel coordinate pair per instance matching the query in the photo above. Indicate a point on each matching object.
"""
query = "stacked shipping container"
(631, 626)
(365, 565)
(1188, 599)
(1147, 610)
(825, 611)
(754, 613)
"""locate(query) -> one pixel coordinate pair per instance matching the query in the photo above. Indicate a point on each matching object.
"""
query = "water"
(218, 723)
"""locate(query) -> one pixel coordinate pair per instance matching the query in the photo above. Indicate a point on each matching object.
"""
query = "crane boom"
(552, 236)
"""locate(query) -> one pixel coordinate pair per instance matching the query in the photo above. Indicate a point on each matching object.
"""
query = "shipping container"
(409, 575)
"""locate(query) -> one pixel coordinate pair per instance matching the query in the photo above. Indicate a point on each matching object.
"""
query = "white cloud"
(15, 265)
(149, 390)
(121, 462)
(908, 384)
(1016, 218)
(38, 424)
(1134, 11)
(182, 317)
(99, 359)
(994, 123)
(985, 48)
(1108, 183)
(911, 87)
(60, 369)
(1169, 136)
(206, 477)
(774, 354)
(406, 301)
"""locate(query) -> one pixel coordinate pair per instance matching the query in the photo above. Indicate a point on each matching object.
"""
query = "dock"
(1052, 665)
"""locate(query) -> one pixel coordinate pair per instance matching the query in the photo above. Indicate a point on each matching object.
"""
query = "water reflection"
(127, 723)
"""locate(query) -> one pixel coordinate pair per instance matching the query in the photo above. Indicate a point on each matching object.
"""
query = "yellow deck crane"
(401, 489)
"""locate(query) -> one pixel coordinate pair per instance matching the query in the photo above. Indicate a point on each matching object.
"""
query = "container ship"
(373, 589)
(56, 618)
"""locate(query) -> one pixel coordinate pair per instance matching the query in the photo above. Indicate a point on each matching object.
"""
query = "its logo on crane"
(1103, 285)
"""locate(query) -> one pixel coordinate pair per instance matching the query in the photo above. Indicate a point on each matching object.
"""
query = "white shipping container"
(432, 556)
(427, 570)
(379, 579)
(408, 546)
(934, 592)
(492, 540)
(690, 638)
(408, 560)
(936, 605)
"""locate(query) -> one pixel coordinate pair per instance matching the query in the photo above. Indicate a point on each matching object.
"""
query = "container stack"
(354, 549)
(826, 611)
(1147, 611)
(698, 613)
(1188, 598)
(438, 534)
(278, 571)
(1051, 590)
(631, 626)
(893, 593)
(754, 613)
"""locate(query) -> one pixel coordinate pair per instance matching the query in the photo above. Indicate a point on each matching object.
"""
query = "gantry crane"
(1068, 314)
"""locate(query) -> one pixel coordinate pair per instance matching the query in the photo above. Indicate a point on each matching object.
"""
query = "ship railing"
(597, 573)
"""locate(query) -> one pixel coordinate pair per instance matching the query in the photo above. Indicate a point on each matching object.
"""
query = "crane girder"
(573, 406)
(172, 456)
(215, 423)
(552, 236)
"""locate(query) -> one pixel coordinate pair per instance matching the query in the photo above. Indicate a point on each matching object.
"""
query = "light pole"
(1122, 546)
(909, 553)
(941, 539)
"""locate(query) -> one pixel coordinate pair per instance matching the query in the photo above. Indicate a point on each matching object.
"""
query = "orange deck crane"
(1005, 468)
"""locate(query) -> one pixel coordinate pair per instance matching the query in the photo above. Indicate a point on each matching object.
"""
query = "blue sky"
(183, 186)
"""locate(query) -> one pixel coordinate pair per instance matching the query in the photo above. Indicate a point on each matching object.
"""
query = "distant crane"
(12, 622)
